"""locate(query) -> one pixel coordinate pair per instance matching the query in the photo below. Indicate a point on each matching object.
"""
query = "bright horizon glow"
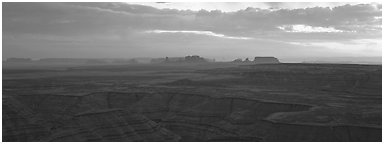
(208, 33)
(309, 29)
(236, 6)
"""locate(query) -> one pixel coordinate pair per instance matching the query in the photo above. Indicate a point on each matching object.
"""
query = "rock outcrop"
(257, 60)
(265, 60)
(164, 116)
(111, 125)
(20, 124)
(70, 118)
(266, 102)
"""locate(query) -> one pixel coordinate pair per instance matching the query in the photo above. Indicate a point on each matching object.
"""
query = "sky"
(223, 31)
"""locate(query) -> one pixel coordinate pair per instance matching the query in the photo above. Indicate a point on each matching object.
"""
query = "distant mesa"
(266, 60)
(186, 59)
(194, 58)
(70, 60)
(258, 60)
(239, 60)
(19, 60)
(88, 60)
(75, 60)
(198, 59)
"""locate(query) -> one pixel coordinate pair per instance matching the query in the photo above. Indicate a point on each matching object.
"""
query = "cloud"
(117, 28)
(236, 6)
(208, 33)
(309, 29)
(100, 18)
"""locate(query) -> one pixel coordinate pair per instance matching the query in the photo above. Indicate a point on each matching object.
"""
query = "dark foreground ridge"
(110, 116)
(263, 102)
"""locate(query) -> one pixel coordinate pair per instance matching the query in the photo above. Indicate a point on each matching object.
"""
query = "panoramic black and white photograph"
(192, 71)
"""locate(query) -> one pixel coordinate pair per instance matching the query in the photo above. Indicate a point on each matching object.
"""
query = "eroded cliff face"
(354, 79)
(274, 102)
(111, 125)
(162, 116)
(20, 124)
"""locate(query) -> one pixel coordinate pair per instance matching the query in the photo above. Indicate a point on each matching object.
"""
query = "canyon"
(208, 102)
